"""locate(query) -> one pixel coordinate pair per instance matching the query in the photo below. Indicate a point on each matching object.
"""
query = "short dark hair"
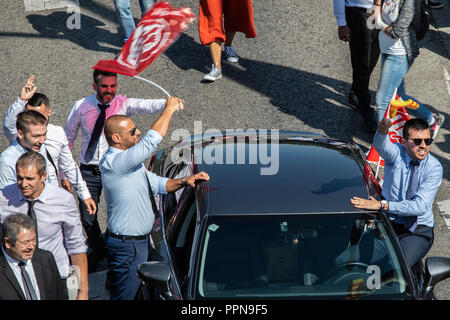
(32, 158)
(27, 118)
(37, 99)
(416, 124)
(98, 73)
(13, 223)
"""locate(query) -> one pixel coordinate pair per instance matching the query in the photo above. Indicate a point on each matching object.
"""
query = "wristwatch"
(383, 204)
(183, 182)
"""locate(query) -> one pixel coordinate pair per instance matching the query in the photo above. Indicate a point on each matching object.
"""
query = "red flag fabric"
(398, 119)
(156, 31)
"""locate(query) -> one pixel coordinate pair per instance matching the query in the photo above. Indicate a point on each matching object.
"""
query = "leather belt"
(118, 236)
(90, 167)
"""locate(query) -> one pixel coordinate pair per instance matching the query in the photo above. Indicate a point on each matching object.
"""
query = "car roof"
(316, 174)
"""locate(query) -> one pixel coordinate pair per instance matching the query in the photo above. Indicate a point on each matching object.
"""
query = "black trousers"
(415, 244)
(364, 52)
(89, 221)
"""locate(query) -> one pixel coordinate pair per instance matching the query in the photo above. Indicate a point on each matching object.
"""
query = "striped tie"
(411, 221)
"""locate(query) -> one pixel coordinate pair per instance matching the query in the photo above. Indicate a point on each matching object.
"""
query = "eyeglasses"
(418, 141)
(26, 242)
(131, 133)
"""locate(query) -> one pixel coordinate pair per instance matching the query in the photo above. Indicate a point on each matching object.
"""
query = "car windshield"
(348, 256)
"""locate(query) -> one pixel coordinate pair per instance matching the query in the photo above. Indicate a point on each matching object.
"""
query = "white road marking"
(444, 208)
(38, 5)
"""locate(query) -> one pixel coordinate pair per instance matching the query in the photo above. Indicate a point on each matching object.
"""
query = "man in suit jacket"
(26, 272)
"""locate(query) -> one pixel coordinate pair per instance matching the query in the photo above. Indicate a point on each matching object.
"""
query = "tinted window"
(181, 237)
(343, 256)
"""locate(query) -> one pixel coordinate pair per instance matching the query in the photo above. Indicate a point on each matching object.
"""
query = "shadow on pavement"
(90, 36)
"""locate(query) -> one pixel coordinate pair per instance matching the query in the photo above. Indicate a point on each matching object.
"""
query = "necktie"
(411, 221)
(32, 214)
(49, 157)
(96, 133)
(30, 293)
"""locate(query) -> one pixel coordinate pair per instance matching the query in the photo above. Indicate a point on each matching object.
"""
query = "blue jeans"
(123, 257)
(393, 70)
(126, 17)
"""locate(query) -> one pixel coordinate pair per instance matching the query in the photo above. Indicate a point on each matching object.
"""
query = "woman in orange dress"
(218, 22)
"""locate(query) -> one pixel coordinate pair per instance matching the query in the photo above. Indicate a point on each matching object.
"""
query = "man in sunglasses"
(127, 186)
(412, 178)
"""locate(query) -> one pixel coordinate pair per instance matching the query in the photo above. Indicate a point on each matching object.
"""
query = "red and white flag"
(398, 116)
(156, 31)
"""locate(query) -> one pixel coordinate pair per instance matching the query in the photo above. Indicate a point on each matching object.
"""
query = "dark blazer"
(51, 286)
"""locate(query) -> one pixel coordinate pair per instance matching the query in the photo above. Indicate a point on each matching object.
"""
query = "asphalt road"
(294, 76)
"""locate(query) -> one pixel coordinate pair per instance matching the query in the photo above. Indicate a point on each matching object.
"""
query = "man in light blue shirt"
(412, 178)
(31, 135)
(126, 183)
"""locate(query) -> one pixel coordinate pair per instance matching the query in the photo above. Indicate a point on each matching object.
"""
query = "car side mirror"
(436, 270)
(157, 274)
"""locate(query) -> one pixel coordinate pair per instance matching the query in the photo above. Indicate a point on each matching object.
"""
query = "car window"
(342, 256)
(171, 199)
(181, 238)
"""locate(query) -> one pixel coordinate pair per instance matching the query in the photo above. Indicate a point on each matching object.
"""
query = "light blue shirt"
(124, 180)
(8, 160)
(397, 174)
(339, 8)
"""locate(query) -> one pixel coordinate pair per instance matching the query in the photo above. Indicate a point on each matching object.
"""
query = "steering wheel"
(330, 274)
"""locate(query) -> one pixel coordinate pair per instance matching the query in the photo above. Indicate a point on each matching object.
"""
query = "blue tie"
(411, 221)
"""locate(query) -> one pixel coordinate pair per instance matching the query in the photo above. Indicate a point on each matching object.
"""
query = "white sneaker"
(231, 55)
(438, 121)
(214, 75)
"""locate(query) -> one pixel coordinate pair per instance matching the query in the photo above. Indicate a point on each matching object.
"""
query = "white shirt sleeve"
(69, 169)
(143, 106)
(72, 125)
(9, 124)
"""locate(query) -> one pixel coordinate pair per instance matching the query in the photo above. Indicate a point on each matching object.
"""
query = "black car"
(286, 232)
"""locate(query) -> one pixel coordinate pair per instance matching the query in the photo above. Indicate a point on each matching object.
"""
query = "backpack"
(421, 23)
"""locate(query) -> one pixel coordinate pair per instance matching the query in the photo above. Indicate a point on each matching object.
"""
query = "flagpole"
(153, 84)
(378, 166)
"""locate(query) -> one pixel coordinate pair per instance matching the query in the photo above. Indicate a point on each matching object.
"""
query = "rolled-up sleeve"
(158, 183)
(74, 239)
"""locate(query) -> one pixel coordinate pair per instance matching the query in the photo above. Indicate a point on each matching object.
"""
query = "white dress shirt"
(58, 221)
(85, 112)
(8, 159)
(56, 145)
(14, 264)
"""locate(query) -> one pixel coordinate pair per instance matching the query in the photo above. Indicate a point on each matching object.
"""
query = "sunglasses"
(418, 141)
(131, 133)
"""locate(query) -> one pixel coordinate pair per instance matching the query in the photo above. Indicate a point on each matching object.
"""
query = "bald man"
(126, 183)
